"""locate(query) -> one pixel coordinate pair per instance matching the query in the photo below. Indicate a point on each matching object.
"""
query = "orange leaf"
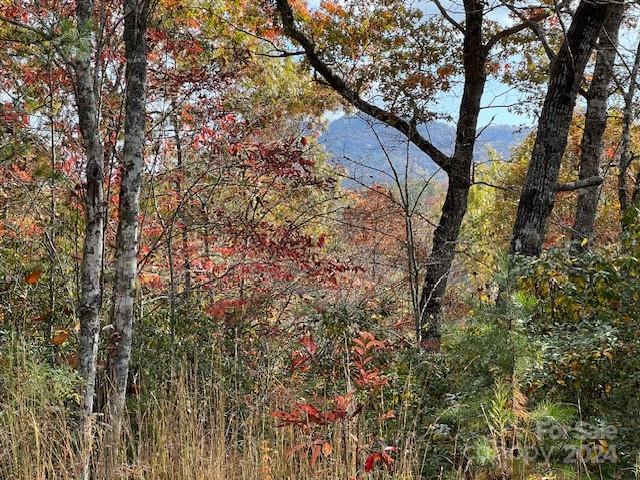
(72, 360)
(326, 449)
(387, 416)
(60, 337)
(33, 277)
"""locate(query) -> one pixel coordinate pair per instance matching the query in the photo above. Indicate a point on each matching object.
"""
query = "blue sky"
(496, 93)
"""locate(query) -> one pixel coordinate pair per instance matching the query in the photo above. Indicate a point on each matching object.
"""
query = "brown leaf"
(43, 317)
(33, 277)
(60, 337)
(72, 360)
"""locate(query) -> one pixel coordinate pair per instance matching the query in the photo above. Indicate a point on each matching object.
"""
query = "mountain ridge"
(362, 147)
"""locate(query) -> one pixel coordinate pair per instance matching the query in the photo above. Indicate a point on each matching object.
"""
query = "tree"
(595, 124)
(90, 301)
(565, 76)
(136, 16)
(458, 166)
(626, 154)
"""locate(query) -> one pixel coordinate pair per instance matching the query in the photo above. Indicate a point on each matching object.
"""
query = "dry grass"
(185, 431)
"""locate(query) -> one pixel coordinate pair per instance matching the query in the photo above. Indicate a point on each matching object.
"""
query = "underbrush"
(182, 430)
(540, 384)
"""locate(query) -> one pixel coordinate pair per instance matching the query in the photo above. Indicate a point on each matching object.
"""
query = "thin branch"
(492, 185)
(408, 129)
(279, 55)
(448, 16)
(527, 23)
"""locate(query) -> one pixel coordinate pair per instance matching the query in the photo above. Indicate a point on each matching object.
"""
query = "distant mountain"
(355, 146)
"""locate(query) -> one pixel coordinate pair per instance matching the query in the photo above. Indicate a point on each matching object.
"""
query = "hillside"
(354, 145)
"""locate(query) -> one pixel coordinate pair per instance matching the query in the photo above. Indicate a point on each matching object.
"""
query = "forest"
(319, 239)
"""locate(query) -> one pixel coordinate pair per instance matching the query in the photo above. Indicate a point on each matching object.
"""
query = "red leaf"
(298, 359)
(309, 344)
(315, 453)
(342, 402)
(296, 448)
(371, 461)
(387, 459)
(309, 410)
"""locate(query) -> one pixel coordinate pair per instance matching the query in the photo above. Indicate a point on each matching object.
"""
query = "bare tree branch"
(448, 16)
(527, 23)
(578, 184)
(407, 128)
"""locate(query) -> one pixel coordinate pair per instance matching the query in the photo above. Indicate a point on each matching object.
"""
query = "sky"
(496, 93)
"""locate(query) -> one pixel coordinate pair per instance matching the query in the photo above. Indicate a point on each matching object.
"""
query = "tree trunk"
(595, 124)
(445, 237)
(537, 197)
(182, 217)
(626, 156)
(135, 23)
(457, 167)
(90, 301)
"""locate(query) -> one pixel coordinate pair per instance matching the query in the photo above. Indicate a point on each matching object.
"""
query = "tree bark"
(135, 24)
(595, 124)
(445, 237)
(626, 156)
(90, 301)
(537, 197)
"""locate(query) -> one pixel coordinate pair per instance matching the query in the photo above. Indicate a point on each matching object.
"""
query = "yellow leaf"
(584, 242)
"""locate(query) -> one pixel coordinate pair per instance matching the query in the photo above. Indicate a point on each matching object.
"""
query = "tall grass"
(184, 430)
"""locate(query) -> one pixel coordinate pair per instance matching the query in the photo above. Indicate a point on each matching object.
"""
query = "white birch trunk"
(129, 207)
